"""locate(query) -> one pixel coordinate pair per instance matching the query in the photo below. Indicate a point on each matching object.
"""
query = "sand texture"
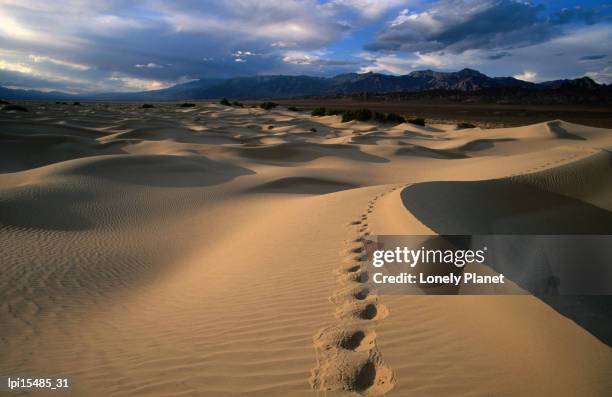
(215, 251)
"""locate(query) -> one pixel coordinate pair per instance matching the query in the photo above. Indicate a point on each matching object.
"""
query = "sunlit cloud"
(16, 67)
(603, 76)
(300, 58)
(127, 83)
(71, 65)
(284, 44)
(527, 75)
(11, 28)
(150, 65)
(406, 63)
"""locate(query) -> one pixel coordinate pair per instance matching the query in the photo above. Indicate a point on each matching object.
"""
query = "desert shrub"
(417, 121)
(270, 127)
(395, 118)
(380, 117)
(318, 112)
(357, 114)
(58, 103)
(236, 103)
(187, 105)
(76, 103)
(225, 102)
(333, 112)
(313, 129)
(363, 114)
(268, 105)
(461, 126)
(348, 116)
(17, 108)
(147, 106)
(293, 109)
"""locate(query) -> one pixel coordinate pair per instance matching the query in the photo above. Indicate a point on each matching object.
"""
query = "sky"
(116, 45)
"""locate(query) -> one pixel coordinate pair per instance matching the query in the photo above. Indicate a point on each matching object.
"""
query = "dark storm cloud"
(461, 25)
(593, 57)
(499, 55)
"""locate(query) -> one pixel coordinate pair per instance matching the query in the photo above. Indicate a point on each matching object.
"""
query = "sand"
(214, 251)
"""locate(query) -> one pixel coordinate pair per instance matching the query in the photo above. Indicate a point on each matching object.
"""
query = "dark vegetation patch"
(268, 105)
(462, 126)
(361, 114)
(417, 121)
(17, 108)
(318, 112)
(334, 112)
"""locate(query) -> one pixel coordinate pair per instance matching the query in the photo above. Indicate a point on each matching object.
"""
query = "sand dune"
(216, 251)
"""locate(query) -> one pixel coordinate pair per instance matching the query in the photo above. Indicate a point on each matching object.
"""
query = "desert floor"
(213, 251)
(484, 115)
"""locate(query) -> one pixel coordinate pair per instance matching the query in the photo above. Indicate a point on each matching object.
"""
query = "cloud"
(592, 57)
(304, 58)
(460, 25)
(241, 56)
(527, 75)
(291, 21)
(15, 67)
(71, 65)
(369, 9)
(603, 76)
(93, 40)
(300, 58)
(244, 54)
(284, 44)
(150, 65)
(127, 83)
(405, 63)
(15, 73)
(9, 27)
(499, 55)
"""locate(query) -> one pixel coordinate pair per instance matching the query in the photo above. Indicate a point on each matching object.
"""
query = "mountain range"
(255, 87)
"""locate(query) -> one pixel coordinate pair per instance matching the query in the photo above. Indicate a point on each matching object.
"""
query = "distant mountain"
(583, 83)
(8, 93)
(294, 86)
(191, 90)
(254, 87)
